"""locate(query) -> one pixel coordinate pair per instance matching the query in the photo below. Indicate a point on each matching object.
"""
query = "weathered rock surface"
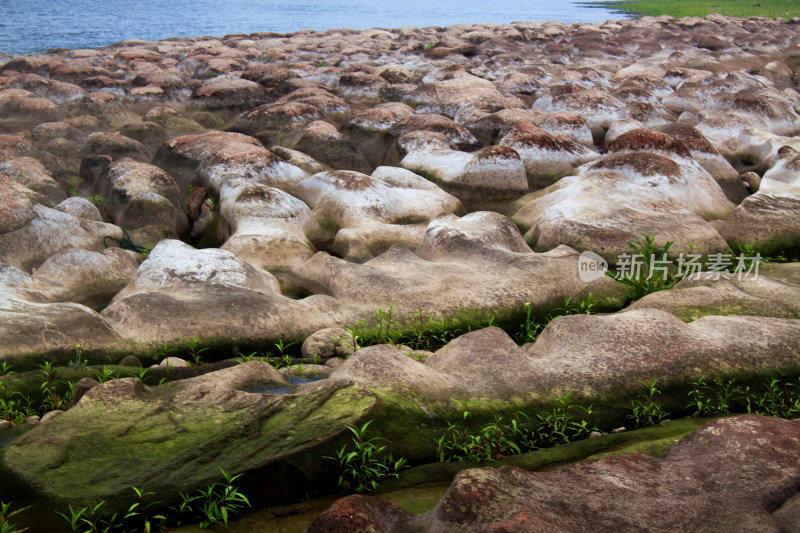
(470, 259)
(691, 488)
(267, 227)
(180, 293)
(210, 159)
(641, 186)
(137, 195)
(179, 427)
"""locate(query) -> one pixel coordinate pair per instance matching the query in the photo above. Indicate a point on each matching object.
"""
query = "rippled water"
(37, 25)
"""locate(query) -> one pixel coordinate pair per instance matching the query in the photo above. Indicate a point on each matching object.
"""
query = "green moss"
(701, 8)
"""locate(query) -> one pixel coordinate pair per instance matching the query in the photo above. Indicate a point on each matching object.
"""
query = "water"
(38, 25)
(294, 382)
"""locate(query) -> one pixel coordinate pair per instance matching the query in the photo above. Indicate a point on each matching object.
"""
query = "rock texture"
(691, 488)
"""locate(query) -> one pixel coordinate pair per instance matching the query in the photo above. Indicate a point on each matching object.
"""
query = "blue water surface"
(38, 25)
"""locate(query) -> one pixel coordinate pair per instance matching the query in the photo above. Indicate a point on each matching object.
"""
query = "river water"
(38, 25)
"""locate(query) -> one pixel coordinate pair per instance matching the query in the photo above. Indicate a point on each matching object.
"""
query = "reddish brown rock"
(726, 477)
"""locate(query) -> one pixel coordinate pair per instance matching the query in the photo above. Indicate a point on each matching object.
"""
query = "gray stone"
(131, 360)
(48, 416)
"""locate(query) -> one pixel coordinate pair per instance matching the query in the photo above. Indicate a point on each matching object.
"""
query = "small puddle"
(294, 382)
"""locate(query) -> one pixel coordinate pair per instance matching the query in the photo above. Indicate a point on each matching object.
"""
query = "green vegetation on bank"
(700, 8)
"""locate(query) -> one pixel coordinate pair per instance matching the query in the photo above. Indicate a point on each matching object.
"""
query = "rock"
(300, 160)
(329, 342)
(323, 142)
(771, 291)
(48, 416)
(599, 108)
(788, 515)
(546, 157)
(360, 513)
(115, 145)
(194, 202)
(343, 199)
(460, 95)
(265, 226)
(595, 435)
(627, 493)
(642, 172)
(32, 420)
(47, 232)
(618, 430)
(752, 181)
(768, 220)
(12, 146)
(80, 207)
(137, 195)
(710, 159)
(85, 277)
(82, 387)
(32, 174)
(195, 288)
(222, 93)
(173, 362)
(465, 258)
(333, 362)
(5, 424)
(211, 409)
(486, 179)
(131, 360)
(210, 159)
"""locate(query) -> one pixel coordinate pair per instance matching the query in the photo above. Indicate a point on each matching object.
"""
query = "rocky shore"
(430, 191)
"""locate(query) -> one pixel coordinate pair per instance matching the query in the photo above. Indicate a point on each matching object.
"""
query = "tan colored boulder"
(265, 226)
(486, 179)
(210, 159)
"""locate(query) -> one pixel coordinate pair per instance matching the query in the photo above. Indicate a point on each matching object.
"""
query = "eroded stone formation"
(456, 172)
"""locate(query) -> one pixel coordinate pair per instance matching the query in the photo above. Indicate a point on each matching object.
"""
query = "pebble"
(5, 424)
(47, 417)
(618, 430)
(595, 435)
(33, 420)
